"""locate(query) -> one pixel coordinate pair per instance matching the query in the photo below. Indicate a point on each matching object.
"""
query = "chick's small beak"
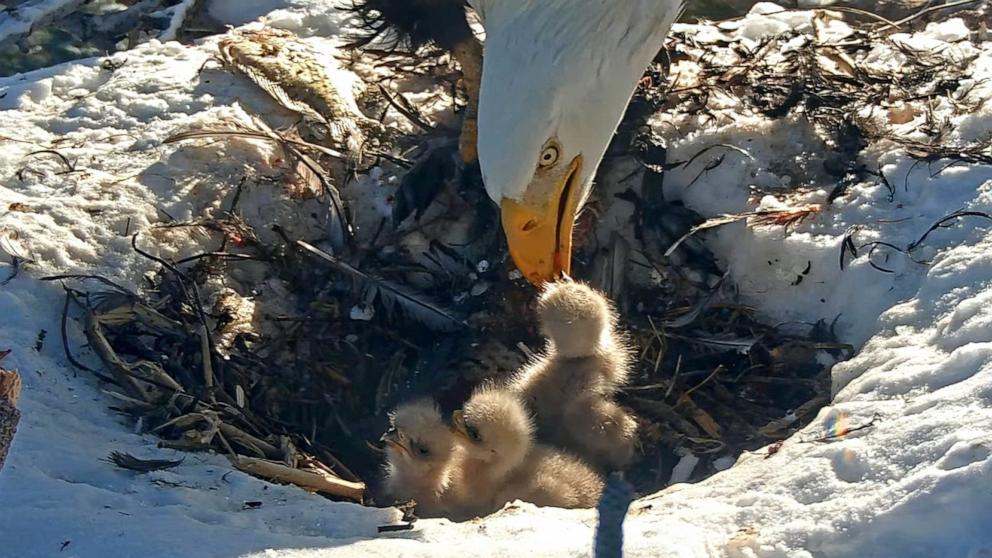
(539, 228)
(393, 438)
(458, 424)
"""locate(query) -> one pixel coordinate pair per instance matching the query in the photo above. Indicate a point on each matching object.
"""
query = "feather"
(390, 295)
(741, 345)
(697, 308)
(611, 267)
(128, 461)
(411, 24)
(761, 217)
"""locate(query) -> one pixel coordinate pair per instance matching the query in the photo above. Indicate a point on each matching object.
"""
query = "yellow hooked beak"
(539, 231)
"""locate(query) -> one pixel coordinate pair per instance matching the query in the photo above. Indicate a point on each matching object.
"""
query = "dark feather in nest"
(391, 295)
(128, 461)
(411, 23)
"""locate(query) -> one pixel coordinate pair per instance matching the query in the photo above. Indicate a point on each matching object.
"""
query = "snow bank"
(917, 482)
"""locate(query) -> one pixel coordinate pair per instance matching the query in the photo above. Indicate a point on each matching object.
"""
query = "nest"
(298, 391)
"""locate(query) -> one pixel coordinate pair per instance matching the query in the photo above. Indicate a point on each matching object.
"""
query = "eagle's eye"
(549, 156)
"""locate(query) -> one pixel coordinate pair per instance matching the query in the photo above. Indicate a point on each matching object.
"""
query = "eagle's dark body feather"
(413, 23)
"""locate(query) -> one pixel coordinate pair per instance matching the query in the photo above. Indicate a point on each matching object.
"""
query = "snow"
(178, 14)
(917, 482)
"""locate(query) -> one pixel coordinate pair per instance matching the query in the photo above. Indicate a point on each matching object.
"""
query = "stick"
(65, 336)
(248, 441)
(122, 374)
(208, 369)
(407, 111)
(700, 416)
(930, 9)
(316, 481)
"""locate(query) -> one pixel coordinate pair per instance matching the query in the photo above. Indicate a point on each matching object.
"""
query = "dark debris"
(128, 461)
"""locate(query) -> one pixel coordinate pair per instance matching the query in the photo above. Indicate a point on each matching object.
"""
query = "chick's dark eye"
(473, 433)
(422, 451)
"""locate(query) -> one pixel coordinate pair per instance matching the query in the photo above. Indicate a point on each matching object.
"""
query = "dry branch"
(314, 480)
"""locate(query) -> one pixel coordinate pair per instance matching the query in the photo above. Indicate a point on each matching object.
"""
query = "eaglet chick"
(570, 388)
(506, 464)
(423, 458)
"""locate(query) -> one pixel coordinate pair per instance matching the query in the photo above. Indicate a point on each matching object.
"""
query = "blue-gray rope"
(613, 506)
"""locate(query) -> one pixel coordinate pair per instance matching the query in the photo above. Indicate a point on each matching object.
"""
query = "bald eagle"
(556, 78)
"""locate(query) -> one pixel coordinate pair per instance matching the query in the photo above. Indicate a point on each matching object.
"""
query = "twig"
(941, 224)
(930, 9)
(840, 435)
(715, 371)
(15, 264)
(337, 465)
(662, 345)
(70, 167)
(406, 110)
(192, 296)
(122, 374)
(208, 368)
(318, 481)
(65, 335)
(666, 413)
(222, 255)
(859, 11)
(700, 416)
(245, 439)
(675, 376)
(103, 280)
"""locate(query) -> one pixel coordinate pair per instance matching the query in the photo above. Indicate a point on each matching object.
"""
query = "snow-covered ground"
(918, 482)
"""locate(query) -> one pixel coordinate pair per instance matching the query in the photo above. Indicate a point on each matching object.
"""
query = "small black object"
(395, 528)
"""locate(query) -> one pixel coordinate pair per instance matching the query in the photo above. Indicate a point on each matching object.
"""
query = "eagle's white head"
(556, 79)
